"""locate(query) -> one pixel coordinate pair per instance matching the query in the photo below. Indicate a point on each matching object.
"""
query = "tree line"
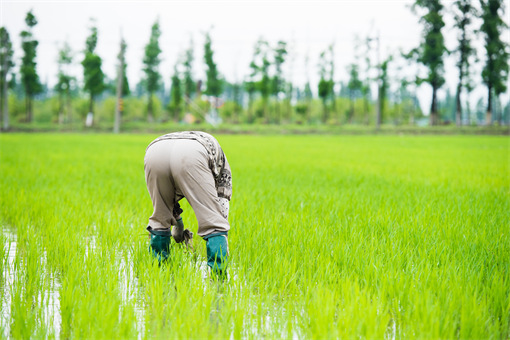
(265, 95)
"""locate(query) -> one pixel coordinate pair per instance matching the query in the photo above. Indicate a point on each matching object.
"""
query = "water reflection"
(48, 297)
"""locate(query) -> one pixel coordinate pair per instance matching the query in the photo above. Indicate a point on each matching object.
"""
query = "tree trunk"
(60, 117)
(351, 111)
(91, 103)
(266, 111)
(250, 103)
(187, 99)
(27, 108)
(150, 116)
(488, 120)
(69, 107)
(308, 110)
(31, 109)
(325, 115)
(176, 114)
(365, 108)
(5, 96)
(379, 109)
(468, 112)
(119, 106)
(458, 113)
(433, 107)
(5, 105)
(278, 117)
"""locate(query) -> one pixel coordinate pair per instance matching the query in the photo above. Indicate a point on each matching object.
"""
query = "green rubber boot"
(217, 253)
(160, 243)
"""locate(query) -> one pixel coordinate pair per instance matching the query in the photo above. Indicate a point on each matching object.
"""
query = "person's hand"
(177, 210)
(178, 230)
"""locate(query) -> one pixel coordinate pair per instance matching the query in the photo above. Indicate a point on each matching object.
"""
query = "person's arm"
(178, 229)
(225, 181)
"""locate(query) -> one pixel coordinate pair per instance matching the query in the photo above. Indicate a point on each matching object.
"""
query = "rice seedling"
(332, 237)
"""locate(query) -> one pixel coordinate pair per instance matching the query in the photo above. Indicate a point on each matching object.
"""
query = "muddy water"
(50, 298)
(7, 282)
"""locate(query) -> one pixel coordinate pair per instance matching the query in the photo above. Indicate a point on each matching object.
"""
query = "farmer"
(189, 164)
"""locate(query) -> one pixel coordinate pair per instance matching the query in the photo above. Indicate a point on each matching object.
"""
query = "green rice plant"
(332, 237)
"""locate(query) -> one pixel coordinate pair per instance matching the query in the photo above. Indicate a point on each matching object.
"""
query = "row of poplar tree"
(265, 95)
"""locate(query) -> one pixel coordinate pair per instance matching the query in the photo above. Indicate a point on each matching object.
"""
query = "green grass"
(332, 237)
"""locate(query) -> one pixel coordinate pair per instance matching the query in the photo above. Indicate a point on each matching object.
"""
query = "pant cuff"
(220, 233)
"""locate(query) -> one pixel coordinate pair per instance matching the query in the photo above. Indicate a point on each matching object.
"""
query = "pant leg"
(160, 183)
(194, 179)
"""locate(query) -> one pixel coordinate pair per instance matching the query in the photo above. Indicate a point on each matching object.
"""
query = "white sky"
(307, 26)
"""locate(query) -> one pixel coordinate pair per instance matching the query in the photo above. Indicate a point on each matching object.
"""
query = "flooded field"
(332, 237)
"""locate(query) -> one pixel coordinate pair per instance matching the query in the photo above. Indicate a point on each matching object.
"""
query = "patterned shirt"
(217, 160)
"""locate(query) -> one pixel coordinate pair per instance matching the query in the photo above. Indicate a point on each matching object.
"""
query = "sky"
(308, 27)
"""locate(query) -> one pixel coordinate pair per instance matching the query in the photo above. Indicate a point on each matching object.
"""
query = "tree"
(176, 94)
(280, 52)
(213, 83)
(121, 85)
(189, 84)
(65, 81)
(250, 87)
(495, 71)
(307, 91)
(326, 82)
(383, 89)
(430, 52)
(365, 77)
(29, 77)
(151, 61)
(354, 86)
(6, 64)
(93, 76)
(464, 14)
(260, 79)
(126, 91)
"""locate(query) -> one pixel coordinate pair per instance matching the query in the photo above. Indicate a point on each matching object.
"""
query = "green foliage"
(213, 82)
(280, 52)
(6, 64)
(93, 76)
(175, 105)
(65, 83)
(188, 82)
(6, 52)
(430, 52)
(65, 59)
(464, 15)
(122, 59)
(260, 68)
(152, 60)
(16, 108)
(432, 48)
(354, 85)
(134, 109)
(383, 85)
(231, 112)
(29, 77)
(495, 72)
(326, 83)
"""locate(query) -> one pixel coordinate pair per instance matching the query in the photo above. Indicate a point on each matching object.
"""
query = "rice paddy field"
(332, 237)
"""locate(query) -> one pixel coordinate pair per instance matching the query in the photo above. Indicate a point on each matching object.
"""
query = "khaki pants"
(178, 168)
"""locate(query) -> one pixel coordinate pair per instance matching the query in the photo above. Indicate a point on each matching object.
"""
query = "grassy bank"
(266, 129)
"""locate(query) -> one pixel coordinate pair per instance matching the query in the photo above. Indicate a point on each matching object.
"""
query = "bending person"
(189, 164)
